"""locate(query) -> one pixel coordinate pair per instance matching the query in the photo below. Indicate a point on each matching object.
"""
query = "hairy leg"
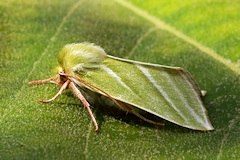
(145, 119)
(85, 103)
(40, 81)
(64, 86)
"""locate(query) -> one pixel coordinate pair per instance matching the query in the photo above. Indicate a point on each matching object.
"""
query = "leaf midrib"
(164, 26)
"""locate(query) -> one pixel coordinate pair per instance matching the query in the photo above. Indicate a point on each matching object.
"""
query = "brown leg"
(85, 103)
(40, 81)
(64, 86)
(91, 85)
(114, 100)
(145, 119)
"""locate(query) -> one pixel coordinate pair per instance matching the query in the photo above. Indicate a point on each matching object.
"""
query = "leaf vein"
(52, 39)
(140, 39)
(89, 131)
(226, 135)
(164, 26)
(36, 63)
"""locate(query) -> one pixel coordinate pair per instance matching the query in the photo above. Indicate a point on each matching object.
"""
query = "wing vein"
(160, 89)
(192, 112)
(115, 76)
(207, 124)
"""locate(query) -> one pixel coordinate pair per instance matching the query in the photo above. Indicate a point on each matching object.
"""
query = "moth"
(136, 87)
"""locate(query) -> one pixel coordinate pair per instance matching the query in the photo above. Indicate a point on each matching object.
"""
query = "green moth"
(136, 87)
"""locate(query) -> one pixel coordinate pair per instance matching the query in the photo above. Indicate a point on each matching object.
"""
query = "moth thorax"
(85, 52)
(84, 68)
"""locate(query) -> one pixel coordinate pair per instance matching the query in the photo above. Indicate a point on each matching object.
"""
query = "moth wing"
(167, 92)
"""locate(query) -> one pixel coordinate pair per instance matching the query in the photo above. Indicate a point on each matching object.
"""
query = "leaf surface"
(31, 35)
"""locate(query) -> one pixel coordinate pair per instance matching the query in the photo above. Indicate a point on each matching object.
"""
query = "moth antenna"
(40, 81)
(85, 103)
(64, 86)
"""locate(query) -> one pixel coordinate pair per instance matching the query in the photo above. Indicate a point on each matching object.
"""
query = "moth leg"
(40, 81)
(85, 103)
(64, 86)
(147, 120)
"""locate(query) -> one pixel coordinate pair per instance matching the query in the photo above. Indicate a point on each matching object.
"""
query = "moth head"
(80, 57)
(56, 71)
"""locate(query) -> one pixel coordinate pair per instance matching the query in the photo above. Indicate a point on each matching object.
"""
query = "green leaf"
(199, 36)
